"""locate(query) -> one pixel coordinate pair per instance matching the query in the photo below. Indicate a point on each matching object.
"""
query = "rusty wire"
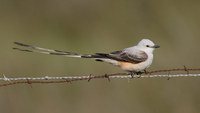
(70, 79)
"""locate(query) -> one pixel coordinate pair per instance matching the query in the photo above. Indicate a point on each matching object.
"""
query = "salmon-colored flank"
(126, 65)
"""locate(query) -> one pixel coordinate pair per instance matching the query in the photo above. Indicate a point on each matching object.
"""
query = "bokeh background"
(89, 26)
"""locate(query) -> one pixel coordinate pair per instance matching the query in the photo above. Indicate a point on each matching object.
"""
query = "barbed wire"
(70, 79)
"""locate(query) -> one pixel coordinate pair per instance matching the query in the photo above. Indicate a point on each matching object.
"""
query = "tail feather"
(102, 54)
(39, 48)
(55, 52)
(98, 56)
(35, 51)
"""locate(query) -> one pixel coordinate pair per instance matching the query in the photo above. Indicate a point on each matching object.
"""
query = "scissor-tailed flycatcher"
(133, 59)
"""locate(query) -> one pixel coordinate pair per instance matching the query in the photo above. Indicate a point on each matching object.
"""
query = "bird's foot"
(145, 71)
(139, 73)
(132, 74)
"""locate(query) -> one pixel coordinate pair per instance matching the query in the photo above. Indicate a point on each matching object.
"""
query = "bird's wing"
(134, 57)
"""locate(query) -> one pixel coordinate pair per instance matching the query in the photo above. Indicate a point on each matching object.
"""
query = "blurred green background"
(89, 26)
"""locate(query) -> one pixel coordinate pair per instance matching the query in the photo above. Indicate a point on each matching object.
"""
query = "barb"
(70, 79)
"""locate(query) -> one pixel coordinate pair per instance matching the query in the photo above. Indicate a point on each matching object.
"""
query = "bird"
(135, 59)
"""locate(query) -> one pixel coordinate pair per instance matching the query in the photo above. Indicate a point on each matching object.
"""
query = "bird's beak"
(156, 46)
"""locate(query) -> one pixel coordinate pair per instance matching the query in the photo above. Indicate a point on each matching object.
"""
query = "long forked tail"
(53, 52)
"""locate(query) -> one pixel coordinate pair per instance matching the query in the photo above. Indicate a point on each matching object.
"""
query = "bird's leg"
(132, 74)
(145, 71)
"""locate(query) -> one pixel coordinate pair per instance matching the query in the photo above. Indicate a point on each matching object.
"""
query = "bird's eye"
(147, 45)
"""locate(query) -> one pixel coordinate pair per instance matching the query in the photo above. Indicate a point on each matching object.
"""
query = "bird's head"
(147, 45)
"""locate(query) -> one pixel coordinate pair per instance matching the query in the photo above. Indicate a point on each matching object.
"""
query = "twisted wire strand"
(47, 79)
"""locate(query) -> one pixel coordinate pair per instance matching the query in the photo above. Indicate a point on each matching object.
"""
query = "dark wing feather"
(126, 57)
(133, 58)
